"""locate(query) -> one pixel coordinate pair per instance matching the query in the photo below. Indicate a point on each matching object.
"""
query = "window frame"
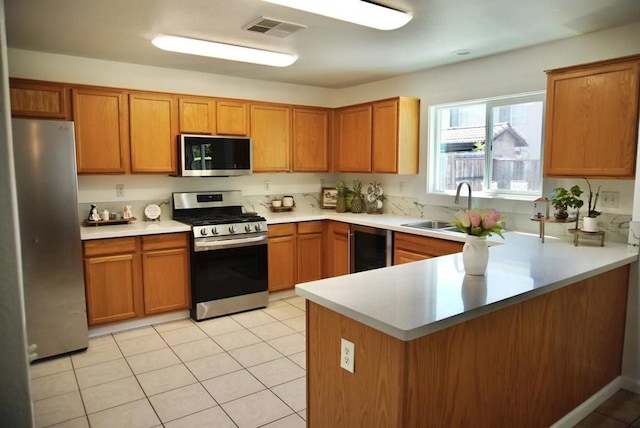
(433, 165)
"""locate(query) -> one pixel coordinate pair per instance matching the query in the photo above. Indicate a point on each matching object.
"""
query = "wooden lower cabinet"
(112, 280)
(131, 277)
(409, 248)
(337, 249)
(165, 273)
(282, 256)
(309, 251)
(295, 254)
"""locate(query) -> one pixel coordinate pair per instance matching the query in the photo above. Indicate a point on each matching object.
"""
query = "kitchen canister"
(287, 201)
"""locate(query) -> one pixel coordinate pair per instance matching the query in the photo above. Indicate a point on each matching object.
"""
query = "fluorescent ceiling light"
(355, 11)
(223, 51)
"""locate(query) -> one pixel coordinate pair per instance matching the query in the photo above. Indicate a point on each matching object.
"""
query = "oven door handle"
(230, 243)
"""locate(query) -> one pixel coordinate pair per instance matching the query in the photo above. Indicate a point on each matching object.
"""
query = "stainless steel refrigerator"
(47, 187)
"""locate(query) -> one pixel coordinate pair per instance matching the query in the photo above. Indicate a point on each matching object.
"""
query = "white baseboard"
(137, 323)
(592, 403)
(630, 384)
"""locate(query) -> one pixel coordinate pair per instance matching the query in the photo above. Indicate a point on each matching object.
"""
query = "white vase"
(590, 224)
(475, 255)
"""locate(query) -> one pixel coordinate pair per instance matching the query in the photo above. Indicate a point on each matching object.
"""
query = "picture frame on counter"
(328, 197)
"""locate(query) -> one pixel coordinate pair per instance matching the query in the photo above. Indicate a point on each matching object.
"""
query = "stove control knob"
(232, 229)
(214, 230)
(247, 228)
(203, 232)
(258, 227)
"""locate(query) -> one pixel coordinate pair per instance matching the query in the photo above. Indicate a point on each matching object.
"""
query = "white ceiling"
(332, 54)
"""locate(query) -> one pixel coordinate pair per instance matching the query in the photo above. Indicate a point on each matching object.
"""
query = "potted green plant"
(341, 202)
(562, 199)
(590, 222)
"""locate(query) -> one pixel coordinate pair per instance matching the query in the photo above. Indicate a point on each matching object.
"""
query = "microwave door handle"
(228, 243)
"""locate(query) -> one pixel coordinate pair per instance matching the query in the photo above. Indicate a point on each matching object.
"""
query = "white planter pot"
(590, 224)
(475, 255)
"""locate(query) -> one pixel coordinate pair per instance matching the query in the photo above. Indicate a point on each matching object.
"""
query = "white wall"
(15, 404)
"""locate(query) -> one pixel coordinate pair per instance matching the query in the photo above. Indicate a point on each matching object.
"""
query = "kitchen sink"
(432, 225)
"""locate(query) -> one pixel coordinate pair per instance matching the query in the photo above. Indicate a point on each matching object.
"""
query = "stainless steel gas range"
(228, 253)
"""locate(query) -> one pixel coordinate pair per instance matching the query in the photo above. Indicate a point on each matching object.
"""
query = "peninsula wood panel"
(232, 117)
(39, 100)
(310, 139)
(591, 124)
(526, 365)
(101, 131)
(372, 396)
(271, 137)
(153, 127)
(197, 115)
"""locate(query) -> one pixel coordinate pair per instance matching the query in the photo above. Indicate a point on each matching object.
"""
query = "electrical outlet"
(120, 190)
(347, 355)
(266, 185)
(402, 187)
(610, 199)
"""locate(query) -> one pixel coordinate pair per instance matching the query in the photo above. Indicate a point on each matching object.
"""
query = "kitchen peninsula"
(523, 346)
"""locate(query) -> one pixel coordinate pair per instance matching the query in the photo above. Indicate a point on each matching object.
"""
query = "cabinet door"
(102, 131)
(232, 118)
(282, 256)
(39, 100)
(309, 249)
(353, 151)
(197, 115)
(113, 288)
(592, 120)
(166, 282)
(271, 137)
(153, 127)
(337, 249)
(310, 139)
(395, 139)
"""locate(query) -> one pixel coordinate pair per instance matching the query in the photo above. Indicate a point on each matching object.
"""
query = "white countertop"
(415, 299)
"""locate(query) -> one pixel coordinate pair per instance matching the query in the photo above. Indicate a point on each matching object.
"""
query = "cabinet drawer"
(282, 229)
(310, 227)
(164, 241)
(425, 245)
(102, 247)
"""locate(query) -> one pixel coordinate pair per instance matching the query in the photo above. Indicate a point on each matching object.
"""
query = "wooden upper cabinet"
(153, 127)
(310, 139)
(271, 137)
(101, 126)
(353, 133)
(592, 119)
(39, 99)
(232, 117)
(197, 115)
(395, 136)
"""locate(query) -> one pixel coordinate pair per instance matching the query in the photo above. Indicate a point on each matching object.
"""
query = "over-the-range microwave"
(214, 155)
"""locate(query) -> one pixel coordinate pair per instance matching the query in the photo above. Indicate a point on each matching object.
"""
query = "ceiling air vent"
(273, 27)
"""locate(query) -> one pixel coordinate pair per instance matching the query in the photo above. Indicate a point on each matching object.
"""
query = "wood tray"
(108, 222)
(281, 209)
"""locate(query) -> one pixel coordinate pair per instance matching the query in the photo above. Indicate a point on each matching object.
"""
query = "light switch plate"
(347, 355)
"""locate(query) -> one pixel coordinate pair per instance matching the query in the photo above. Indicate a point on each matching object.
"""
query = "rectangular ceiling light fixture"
(358, 12)
(223, 51)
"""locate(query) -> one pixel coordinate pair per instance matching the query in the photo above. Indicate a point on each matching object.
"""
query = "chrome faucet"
(458, 193)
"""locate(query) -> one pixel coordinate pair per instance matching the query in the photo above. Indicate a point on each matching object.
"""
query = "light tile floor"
(242, 370)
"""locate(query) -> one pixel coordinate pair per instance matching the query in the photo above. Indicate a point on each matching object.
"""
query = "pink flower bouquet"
(483, 222)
